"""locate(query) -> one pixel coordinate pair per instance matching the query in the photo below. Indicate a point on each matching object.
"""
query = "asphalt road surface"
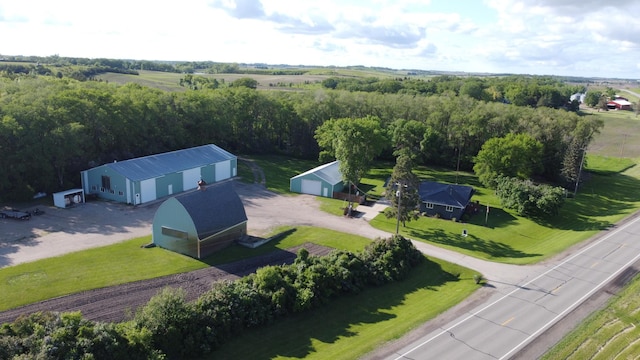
(517, 313)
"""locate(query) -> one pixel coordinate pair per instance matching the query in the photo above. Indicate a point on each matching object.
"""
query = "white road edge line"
(572, 306)
(447, 330)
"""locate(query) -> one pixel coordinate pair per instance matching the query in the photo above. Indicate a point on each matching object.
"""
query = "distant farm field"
(620, 136)
(171, 81)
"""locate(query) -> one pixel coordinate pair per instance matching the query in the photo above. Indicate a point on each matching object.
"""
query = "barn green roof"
(153, 166)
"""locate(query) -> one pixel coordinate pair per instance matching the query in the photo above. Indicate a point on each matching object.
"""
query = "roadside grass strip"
(351, 326)
(610, 333)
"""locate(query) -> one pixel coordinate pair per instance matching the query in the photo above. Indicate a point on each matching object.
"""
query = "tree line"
(536, 91)
(52, 128)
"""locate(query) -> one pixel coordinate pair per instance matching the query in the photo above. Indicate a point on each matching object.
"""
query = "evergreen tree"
(402, 190)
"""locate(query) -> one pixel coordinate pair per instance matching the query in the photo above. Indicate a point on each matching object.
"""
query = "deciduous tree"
(512, 156)
(354, 142)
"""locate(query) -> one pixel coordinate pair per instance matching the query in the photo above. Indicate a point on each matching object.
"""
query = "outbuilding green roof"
(328, 172)
(153, 166)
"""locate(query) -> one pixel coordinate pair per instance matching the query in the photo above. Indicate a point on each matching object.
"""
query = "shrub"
(527, 198)
(67, 336)
(169, 318)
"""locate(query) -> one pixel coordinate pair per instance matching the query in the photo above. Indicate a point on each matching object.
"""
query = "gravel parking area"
(98, 223)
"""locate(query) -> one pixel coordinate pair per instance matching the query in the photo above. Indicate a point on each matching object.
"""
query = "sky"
(587, 38)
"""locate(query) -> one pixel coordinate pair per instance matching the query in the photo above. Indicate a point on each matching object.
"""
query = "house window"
(101, 189)
(94, 188)
(120, 193)
(428, 205)
(106, 182)
(112, 191)
(449, 208)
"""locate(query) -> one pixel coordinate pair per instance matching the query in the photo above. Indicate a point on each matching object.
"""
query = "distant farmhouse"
(619, 103)
(200, 222)
(579, 97)
(448, 201)
(140, 180)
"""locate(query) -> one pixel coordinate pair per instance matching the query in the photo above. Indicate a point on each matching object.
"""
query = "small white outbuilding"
(68, 198)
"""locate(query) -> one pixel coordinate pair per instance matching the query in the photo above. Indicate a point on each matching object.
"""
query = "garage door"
(223, 170)
(190, 179)
(148, 190)
(312, 187)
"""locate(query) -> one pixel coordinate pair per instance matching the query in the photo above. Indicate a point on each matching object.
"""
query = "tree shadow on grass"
(497, 218)
(294, 336)
(600, 196)
(470, 242)
(238, 252)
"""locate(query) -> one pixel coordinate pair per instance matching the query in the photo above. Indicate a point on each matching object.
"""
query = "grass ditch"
(610, 333)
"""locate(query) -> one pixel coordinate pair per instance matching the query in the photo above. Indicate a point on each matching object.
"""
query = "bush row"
(170, 327)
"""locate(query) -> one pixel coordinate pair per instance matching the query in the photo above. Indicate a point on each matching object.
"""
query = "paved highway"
(517, 313)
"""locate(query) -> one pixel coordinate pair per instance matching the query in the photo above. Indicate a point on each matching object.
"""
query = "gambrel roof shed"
(201, 221)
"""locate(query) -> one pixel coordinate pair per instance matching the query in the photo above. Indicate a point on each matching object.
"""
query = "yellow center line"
(594, 264)
(556, 289)
(508, 321)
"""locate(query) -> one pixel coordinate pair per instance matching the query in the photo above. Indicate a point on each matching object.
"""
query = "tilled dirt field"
(115, 303)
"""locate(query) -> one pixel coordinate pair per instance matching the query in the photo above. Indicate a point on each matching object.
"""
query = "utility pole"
(398, 198)
(575, 191)
(486, 215)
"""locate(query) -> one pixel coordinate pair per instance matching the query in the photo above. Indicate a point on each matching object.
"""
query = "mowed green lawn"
(608, 194)
(128, 261)
(610, 333)
(89, 269)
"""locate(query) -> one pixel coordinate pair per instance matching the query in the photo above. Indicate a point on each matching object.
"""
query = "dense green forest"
(52, 126)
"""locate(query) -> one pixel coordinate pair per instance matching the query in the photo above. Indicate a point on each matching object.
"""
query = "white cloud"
(573, 37)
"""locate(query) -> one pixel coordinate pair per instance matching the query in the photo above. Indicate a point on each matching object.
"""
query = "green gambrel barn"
(152, 177)
(323, 180)
(199, 222)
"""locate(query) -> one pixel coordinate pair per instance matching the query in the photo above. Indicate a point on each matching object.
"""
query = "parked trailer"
(15, 214)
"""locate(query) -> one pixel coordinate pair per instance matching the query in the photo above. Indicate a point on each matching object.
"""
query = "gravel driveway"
(99, 223)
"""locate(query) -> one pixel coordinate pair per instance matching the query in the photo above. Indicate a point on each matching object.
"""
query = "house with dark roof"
(144, 179)
(200, 222)
(447, 201)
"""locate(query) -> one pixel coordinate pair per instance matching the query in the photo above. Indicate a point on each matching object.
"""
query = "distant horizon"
(578, 38)
(436, 71)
